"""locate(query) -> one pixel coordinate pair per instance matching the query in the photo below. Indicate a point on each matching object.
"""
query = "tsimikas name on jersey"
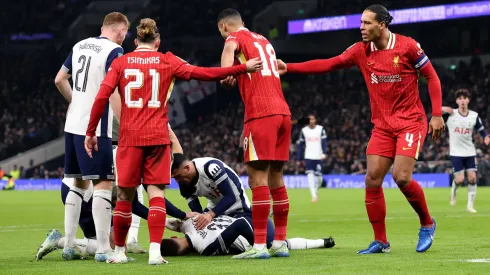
(143, 61)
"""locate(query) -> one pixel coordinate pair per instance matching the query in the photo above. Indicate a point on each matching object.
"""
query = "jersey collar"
(101, 37)
(390, 46)
(242, 29)
(144, 49)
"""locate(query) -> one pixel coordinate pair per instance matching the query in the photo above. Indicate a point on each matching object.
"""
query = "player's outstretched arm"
(317, 66)
(436, 125)
(208, 74)
(63, 85)
(447, 110)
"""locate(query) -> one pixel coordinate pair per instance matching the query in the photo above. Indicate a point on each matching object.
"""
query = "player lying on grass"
(226, 235)
(213, 179)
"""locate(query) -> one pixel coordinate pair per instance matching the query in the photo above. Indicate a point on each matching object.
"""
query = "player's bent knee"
(471, 177)
(155, 191)
(102, 184)
(125, 193)
(402, 178)
(459, 178)
(373, 181)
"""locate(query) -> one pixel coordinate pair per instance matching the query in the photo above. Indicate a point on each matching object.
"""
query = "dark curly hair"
(382, 14)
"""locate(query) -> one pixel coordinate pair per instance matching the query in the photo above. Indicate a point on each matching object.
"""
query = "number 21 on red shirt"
(138, 83)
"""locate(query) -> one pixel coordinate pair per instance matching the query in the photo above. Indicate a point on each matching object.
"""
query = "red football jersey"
(261, 92)
(145, 79)
(392, 80)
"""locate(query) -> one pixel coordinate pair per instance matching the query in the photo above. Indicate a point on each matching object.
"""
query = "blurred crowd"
(32, 112)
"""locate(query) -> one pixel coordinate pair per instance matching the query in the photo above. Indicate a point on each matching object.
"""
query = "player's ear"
(157, 43)
(136, 42)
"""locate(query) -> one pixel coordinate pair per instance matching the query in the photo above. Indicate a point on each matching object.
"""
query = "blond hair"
(147, 30)
(115, 18)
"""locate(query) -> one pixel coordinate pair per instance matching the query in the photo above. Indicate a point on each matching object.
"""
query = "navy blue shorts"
(270, 227)
(86, 221)
(79, 165)
(461, 164)
(314, 166)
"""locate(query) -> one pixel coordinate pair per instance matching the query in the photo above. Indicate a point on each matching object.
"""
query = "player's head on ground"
(374, 21)
(147, 34)
(312, 122)
(183, 169)
(115, 27)
(462, 98)
(176, 247)
(229, 20)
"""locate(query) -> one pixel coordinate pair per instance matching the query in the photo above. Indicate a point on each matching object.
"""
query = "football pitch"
(462, 242)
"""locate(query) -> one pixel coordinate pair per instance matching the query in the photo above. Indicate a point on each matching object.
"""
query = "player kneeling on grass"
(226, 235)
(213, 179)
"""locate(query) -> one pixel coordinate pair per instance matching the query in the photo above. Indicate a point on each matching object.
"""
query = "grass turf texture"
(26, 217)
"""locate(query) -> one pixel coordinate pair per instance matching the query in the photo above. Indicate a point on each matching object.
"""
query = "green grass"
(25, 218)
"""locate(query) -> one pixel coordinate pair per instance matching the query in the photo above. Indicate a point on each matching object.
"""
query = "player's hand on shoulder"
(189, 215)
(254, 65)
(173, 224)
(90, 144)
(228, 82)
(282, 67)
(487, 140)
(202, 220)
(436, 126)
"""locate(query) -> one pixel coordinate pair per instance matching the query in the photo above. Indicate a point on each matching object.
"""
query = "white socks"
(135, 221)
(259, 246)
(73, 206)
(277, 244)
(102, 213)
(454, 187)
(155, 250)
(300, 243)
(471, 194)
(312, 185)
(319, 181)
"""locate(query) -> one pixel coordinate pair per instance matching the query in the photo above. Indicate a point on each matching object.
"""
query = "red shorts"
(406, 142)
(267, 138)
(150, 163)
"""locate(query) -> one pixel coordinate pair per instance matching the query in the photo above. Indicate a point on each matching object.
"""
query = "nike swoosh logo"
(405, 148)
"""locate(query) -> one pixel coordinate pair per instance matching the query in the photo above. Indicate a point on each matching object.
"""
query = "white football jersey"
(209, 175)
(200, 239)
(460, 130)
(88, 63)
(312, 138)
(88, 193)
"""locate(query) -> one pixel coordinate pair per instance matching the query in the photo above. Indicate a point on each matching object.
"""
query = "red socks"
(122, 222)
(260, 213)
(415, 196)
(281, 210)
(156, 219)
(376, 210)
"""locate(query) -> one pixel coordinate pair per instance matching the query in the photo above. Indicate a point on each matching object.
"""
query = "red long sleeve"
(98, 108)
(435, 90)
(317, 66)
(207, 74)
